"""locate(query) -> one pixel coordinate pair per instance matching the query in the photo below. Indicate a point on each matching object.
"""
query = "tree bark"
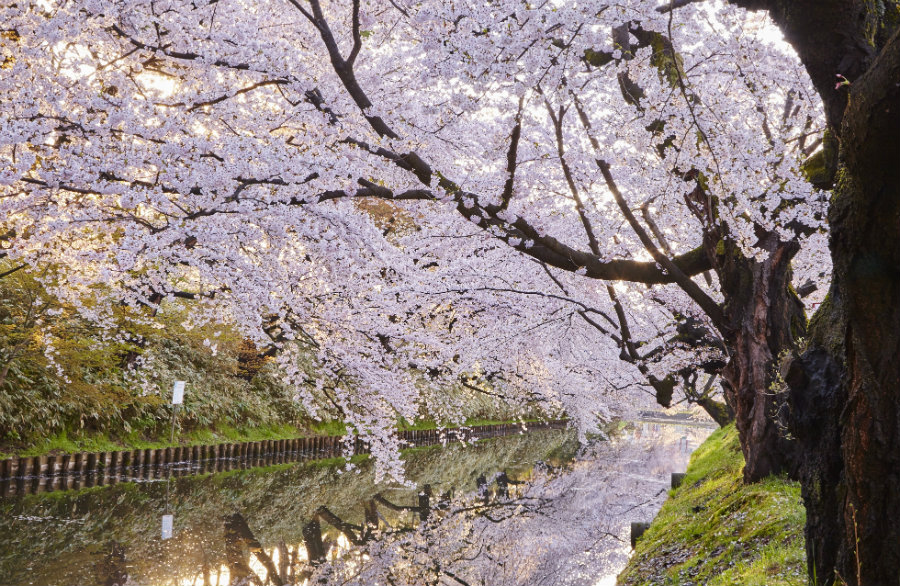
(720, 412)
(845, 388)
(766, 317)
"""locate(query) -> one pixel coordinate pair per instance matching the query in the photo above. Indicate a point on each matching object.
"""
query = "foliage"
(182, 154)
(216, 152)
(716, 531)
(69, 389)
(67, 386)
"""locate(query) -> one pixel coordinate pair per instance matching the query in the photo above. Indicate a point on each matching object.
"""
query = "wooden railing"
(72, 471)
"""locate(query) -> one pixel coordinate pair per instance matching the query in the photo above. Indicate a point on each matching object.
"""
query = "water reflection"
(520, 509)
(562, 524)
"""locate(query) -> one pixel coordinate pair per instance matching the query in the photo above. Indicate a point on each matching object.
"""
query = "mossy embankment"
(715, 531)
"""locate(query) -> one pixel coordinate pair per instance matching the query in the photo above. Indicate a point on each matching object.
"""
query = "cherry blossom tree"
(640, 165)
(511, 128)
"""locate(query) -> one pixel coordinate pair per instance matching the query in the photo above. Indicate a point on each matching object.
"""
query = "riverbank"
(715, 531)
(65, 469)
(65, 387)
(101, 442)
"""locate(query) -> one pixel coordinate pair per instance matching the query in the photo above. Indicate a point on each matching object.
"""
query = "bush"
(60, 373)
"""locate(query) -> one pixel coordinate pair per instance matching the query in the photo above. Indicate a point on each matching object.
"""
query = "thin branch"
(400, 8)
(557, 119)
(357, 37)
(511, 156)
(344, 527)
(344, 70)
(661, 238)
(599, 327)
(245, 90)
(180, 55)
(454, 576)
(472, 387)
(693, 290)
(304, 12)
(627, 342)
(13, 270)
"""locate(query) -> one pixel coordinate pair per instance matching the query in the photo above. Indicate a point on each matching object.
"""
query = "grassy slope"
(716, 531)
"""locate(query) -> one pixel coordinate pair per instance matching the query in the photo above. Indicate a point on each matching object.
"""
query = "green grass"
(101, 442)
(716, 531)
(329, 427)
(62, 443)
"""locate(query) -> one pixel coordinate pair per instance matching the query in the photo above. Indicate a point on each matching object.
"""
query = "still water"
(534, 508)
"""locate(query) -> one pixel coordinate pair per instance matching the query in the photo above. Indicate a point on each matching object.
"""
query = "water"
(521, 509)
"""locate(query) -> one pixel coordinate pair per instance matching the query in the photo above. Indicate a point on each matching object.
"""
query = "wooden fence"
(73, 471)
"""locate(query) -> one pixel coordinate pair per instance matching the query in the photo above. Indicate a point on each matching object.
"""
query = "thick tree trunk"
(845, 388)
(766, 317)
(720, 412)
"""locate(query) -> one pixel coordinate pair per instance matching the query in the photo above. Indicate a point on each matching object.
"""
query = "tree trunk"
(236, 526)
(720, 412)
(845, 388)
(312, 538)
(766, 318)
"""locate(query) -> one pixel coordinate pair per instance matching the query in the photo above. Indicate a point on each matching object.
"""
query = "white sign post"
(178, 392)
(177, 399)
(167, 523)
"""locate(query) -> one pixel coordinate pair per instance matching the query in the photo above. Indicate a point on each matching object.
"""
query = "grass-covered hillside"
(66, 383)
(715, 531)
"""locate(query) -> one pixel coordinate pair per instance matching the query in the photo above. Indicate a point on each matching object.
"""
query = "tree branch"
(12, 270)
(557, 119)
(344, 70)
(357, 37)
(693, 290)
(674, 5)
(511, 156)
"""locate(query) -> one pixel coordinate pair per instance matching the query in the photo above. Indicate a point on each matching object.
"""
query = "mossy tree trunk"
(845, 386)
(766, 316)
(720, 412)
